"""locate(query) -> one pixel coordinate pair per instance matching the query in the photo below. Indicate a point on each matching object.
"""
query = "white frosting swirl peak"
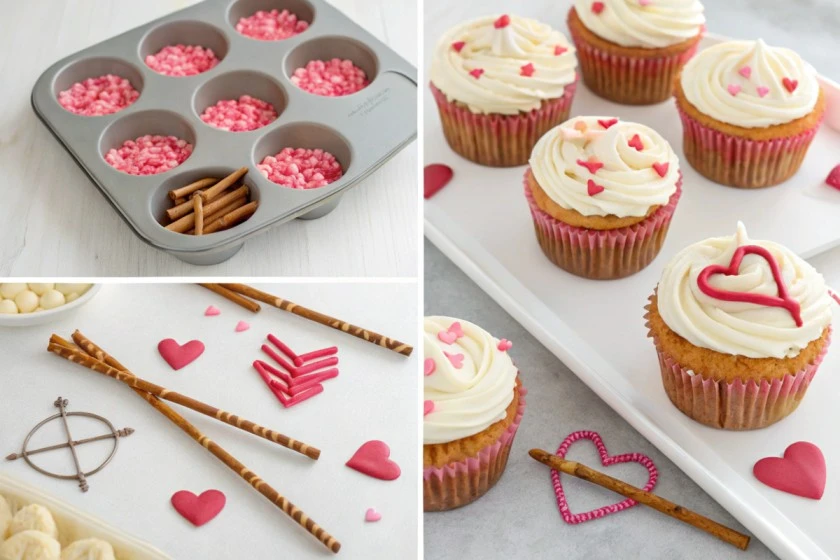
(469, 398)
(740, 328)
(519, 64)
(637, 23)
(631, 183)
(748, 84)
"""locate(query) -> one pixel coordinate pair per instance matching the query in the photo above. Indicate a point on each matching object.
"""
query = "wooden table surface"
(56, 223)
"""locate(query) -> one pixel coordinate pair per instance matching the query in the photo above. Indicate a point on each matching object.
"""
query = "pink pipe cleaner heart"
(212, 311)
(801, 471)
(606, 460)
(371, 515)
(429, 366)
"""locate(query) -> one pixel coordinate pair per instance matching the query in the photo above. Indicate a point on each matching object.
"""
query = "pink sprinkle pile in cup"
(95, 97)
(330, 78)
(271, 26)
(240, 115)
(182, 60)
(149, 155)
(301, 168)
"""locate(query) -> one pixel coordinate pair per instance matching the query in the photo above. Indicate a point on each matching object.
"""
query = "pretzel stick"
(238, 203)
(198, 210)
(78, 356)
(229, 460)
(233, 296)
(224, 184)
(285, 305)
(662, 505)
(233, 218)
(191, 188)
(188, 221)
(181, 209)
(179, 201)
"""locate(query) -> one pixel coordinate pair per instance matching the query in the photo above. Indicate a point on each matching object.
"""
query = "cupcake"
(473, 403)
(602, 193)
(631, 50)
(740, 327)
(749, 112)
(500, 82)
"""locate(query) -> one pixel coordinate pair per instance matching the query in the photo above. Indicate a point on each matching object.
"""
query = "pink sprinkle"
(762, 90)
(504, 345)
(503, 21)
(458, 45)
(833, 179)
(246, 113)
(271, 26)
(242, 326)
(95, 97)
(527, 70)
(558, 50)
(182, 60)
(149, 155)
(476, 72)
(745, 71)
(428, 407)
(301, 168)
(429, 366)
(457, 360)
(330, 78)
(733, 89)
(593, 188)
(212, 311)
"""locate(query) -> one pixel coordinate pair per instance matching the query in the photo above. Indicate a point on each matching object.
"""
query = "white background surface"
(374, 397)
(596, 327)
(53, 220)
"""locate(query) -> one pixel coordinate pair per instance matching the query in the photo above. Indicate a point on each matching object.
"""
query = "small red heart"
(597, 7)
(592, 165)
(435, 177)
(636, 142)
(198, 510)
(457, 360)
(428, 407)
(455, 328)
(503, 21)
(833, 179)
(447, 337)
(458, 45)
(661, 168)
(429, 366)
(593, 188)
(801, 471)
(372, 459)
(607, 123)
(527, 70)
(177, 355)
(558, 50)
(476, 72)
(790, 85)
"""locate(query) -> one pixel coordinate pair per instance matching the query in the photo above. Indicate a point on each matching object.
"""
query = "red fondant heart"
(593, 188)
(198, 510)
(179, 356)
(607, 123)
(592, 165)
(661, 168)
(790, 85)
(636, 142)
(458, 45)
(606, 460)
(801, 471)
(372, 459)
(435, 177)
(783, 300)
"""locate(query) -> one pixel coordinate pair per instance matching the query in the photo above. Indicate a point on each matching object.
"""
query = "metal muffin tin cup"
(363, 130)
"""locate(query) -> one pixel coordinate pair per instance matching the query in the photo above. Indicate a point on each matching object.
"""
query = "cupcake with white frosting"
(631, 50)
(500, 82)
(602, 193)
(749, 112)
(473, 403)
(740, 327)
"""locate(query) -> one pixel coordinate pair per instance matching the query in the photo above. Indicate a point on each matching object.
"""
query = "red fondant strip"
(303, 358)
(277, 357)
(282, 346)
(314, 366)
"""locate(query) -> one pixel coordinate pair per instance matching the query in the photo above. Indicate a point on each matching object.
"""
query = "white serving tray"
(482, 223)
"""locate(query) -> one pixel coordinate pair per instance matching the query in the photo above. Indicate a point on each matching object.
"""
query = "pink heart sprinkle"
(833, 179)
(762, 90)
(597, 7)
(527, 70)
(371, 515)
(644, 2)
(593, 188)
(476, 73)
(458, 45)
(429, 366)
(592, 164)
(790, 85)
(504, 345)
(212, 311)
(581, 126)
(435, 177)
(636, 142)
(457, 360)
(447, 337)
(242, 326)
(456, 328)
(733, 89)
(661, 168)
(428, 407)
(746, 71)
(503, 21)
(607, 123)
(558, 50)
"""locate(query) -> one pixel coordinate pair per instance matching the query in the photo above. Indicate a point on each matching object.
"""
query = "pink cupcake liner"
(742, 162)
(499, 140)
(737, 405)
(602, 254)
(462, 482)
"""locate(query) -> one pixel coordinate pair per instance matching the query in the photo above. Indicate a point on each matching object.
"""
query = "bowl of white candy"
(23, 305)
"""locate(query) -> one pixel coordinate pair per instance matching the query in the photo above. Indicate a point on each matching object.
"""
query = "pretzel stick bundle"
(210, 205)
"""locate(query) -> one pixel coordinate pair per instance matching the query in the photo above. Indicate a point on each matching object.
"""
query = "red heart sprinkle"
(458, 45)
(661, 168)
(608, 123)
(597, 7)
(476, 73)
(457, 360)
(558, 50)
(198, 510)
(789, 84)
(783, 300)
(801, 471)
(447, 337)
(833, 179)
(503, 21)
(372, 459)
(636, 142)
(178, 356)
(592, 188)
(527, 70)
(429, 366)
(435, 177)
(428, 407)
(456, 329)
(593, 165)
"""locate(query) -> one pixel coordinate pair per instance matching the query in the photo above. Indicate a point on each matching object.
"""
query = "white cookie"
(30, 545)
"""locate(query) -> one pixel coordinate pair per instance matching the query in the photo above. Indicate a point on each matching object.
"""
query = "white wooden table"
(53, 221)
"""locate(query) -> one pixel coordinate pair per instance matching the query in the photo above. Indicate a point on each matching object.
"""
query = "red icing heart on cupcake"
(801, 471)
(372, 459)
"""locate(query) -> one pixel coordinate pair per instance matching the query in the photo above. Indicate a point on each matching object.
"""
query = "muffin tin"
(362, 130)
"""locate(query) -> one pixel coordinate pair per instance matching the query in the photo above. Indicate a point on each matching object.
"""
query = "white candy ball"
(26, 301)
(40, 288)
(8, 307)
(52, 299)
(9, 291)
(70, 288)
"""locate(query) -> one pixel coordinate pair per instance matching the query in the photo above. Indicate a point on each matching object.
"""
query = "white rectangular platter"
(482, 223)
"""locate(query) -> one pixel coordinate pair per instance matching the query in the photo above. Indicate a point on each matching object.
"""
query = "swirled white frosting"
(500, 53)
(635, 23)
(743, 83)
(744, 329)
(631, 183)
(471, 398)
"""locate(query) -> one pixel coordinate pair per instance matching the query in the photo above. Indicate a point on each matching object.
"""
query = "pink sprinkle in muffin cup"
(99, 96)
(301, 168)
(182, 60)
(240, 115)
(149, 155)
(330, 78)
(273, 25)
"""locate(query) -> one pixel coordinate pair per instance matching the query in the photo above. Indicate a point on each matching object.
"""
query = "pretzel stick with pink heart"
(662, 505)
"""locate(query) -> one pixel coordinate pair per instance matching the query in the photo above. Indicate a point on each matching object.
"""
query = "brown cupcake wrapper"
(602, 254)
(741, 162)
(499, 140)
(462, 482)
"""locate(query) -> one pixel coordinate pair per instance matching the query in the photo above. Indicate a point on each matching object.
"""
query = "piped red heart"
(592, 188)
(790, 85)
(198, 510)
(801, 471)
(597, 7)
(782, 300)
(178, 356)
(372, 459)
(592, 164)
(435, 177)
(527, 70)
(558, 50)
(661, 168)
(636, 142)
(607, 123)
(476, 72)
(503, 21)
(458, 45)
